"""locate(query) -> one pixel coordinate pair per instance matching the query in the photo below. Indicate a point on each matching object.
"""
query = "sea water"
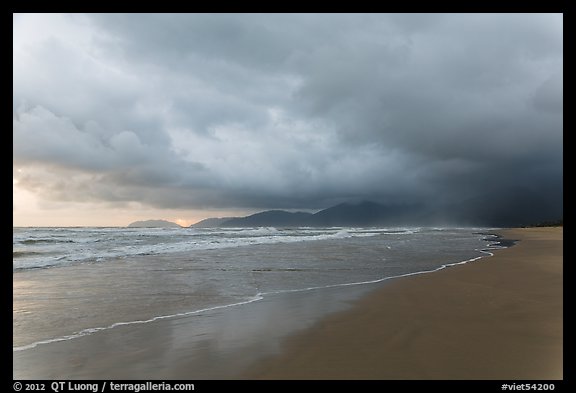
(74, 282)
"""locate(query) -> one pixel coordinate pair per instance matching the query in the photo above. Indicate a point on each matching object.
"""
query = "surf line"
(259, 296)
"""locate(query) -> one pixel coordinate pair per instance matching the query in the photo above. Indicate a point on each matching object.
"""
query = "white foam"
(257, 297)
(89, 331)
(100, 244)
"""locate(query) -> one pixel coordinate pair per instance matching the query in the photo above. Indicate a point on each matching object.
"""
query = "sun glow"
(184, 223)
(28, 209)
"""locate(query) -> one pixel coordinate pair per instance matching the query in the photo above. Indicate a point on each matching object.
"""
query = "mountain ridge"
(365, 213)
(484, 211)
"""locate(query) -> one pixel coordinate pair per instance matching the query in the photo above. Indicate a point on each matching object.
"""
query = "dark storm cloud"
(289, 110)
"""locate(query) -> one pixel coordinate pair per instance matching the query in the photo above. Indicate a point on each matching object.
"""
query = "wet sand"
(497, 318)
(219, 345)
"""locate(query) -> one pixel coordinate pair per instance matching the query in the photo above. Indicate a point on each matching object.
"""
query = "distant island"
(154, 224)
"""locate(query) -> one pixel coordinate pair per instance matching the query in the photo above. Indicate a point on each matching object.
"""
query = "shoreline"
(241, 342)
(485, 252)
(499, 318)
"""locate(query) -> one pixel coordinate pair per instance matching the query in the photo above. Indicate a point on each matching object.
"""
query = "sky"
(123, 117)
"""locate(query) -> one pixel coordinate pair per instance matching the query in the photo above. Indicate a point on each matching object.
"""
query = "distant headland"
(153, 224)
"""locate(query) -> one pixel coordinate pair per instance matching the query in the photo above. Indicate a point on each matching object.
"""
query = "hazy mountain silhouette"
(153, 224)
(516, 209)
(345, 214)
(367, 214)
(270, 218)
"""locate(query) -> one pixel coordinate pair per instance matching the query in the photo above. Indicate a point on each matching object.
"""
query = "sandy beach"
(498, 318)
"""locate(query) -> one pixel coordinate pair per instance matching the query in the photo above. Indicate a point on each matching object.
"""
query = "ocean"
(74, 282)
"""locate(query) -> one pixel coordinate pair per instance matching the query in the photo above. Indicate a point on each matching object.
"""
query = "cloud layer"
(198, 111)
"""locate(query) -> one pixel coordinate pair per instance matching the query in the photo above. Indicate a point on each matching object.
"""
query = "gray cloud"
(283, 111)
